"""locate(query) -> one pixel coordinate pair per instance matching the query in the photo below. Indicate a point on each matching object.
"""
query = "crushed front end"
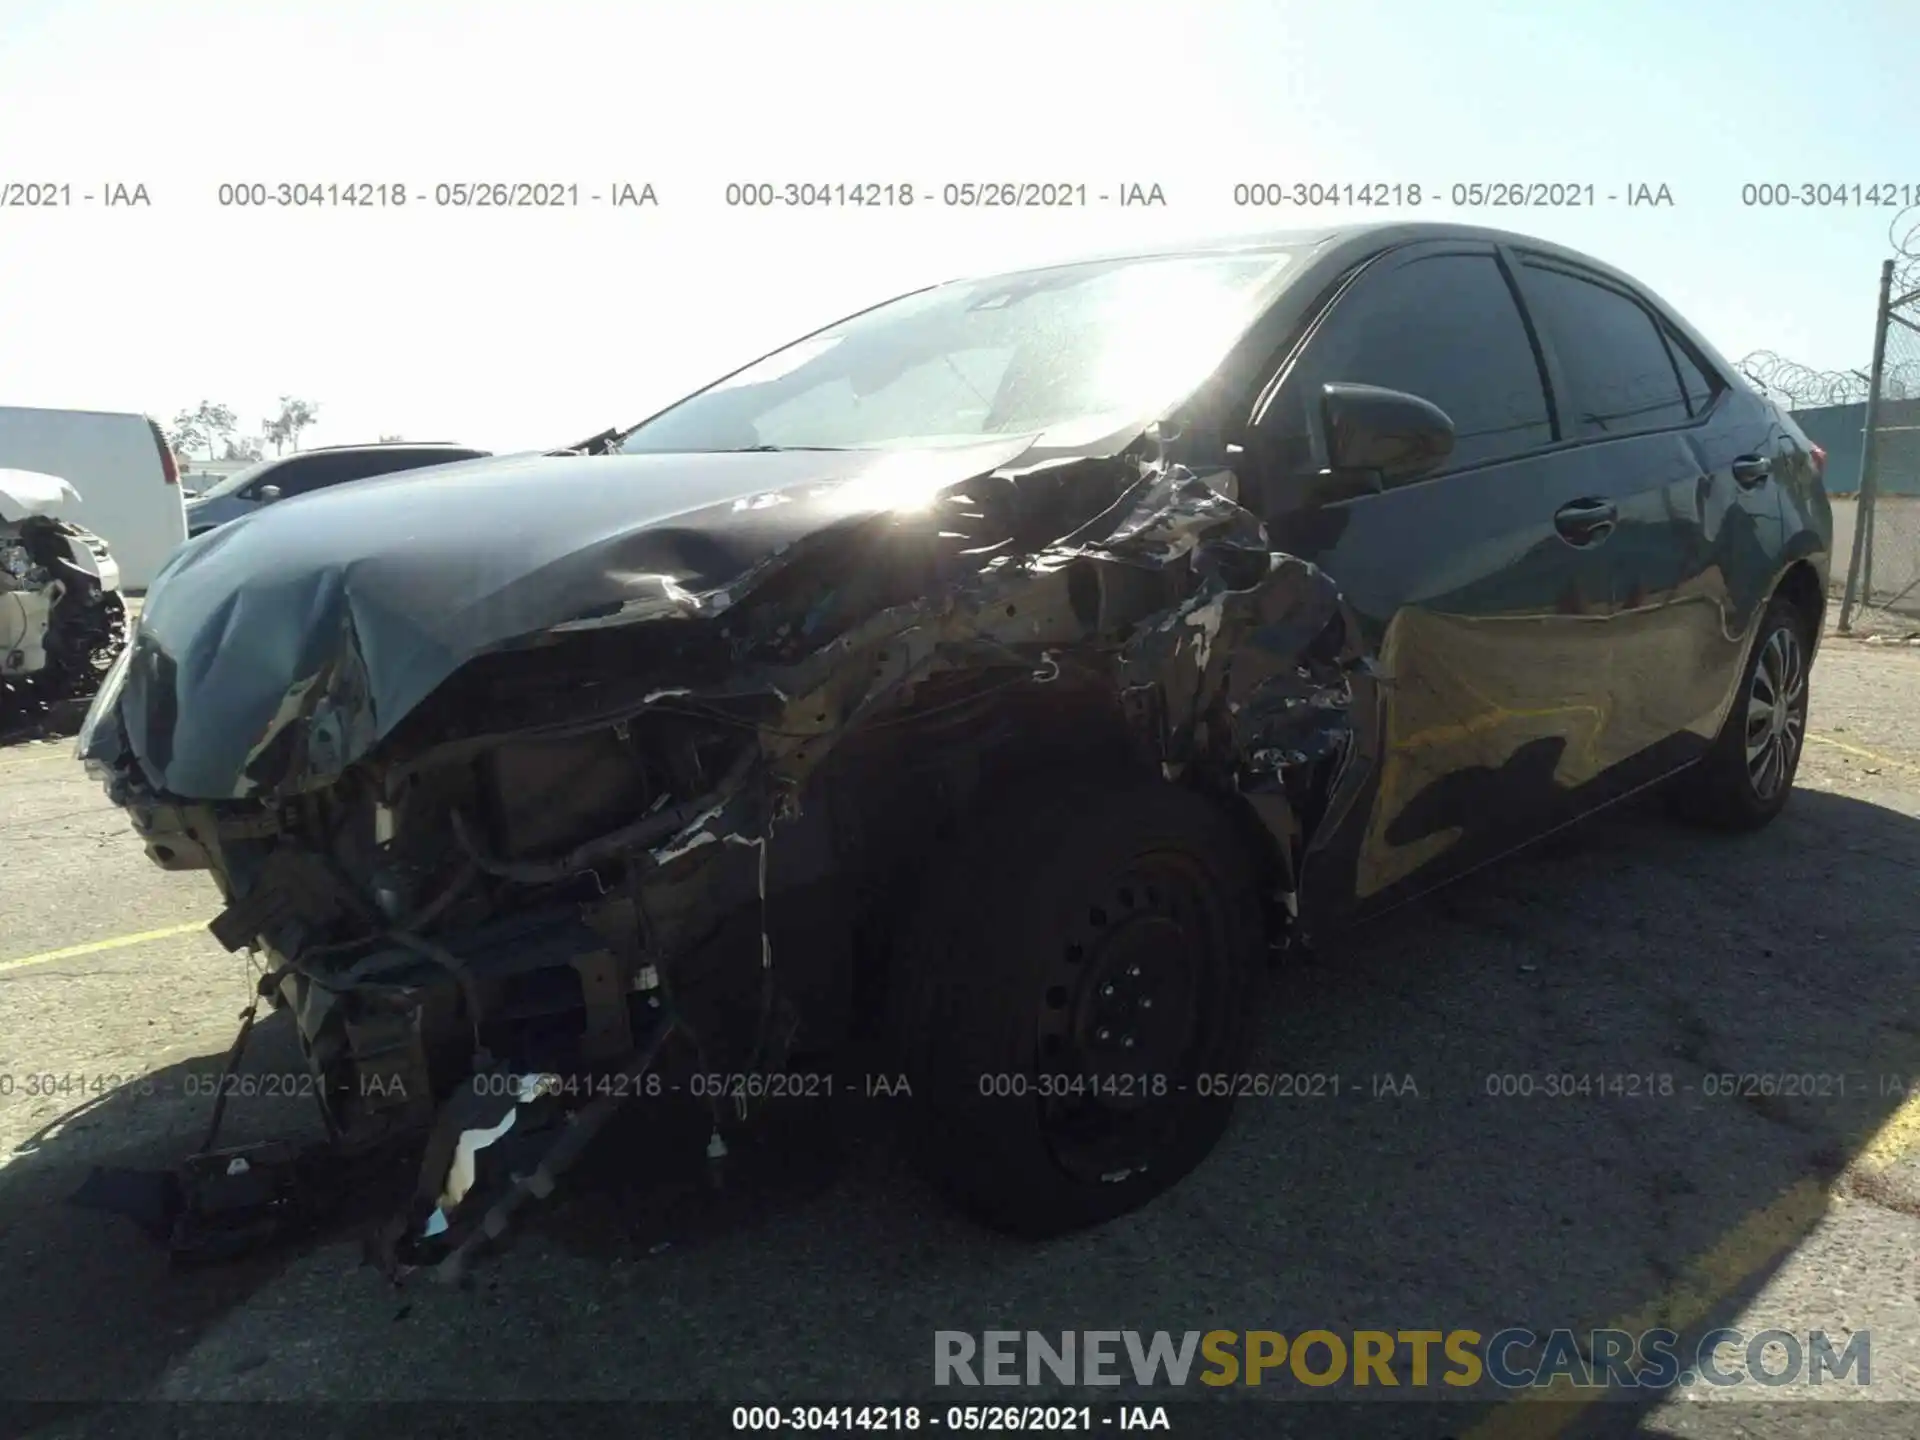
(658, 835)
(519, 926)
(62, 620)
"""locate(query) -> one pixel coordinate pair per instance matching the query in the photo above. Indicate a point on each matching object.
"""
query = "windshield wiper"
(600, 444)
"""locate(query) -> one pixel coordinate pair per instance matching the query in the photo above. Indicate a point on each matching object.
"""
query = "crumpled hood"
(344, 609)
(29, 492)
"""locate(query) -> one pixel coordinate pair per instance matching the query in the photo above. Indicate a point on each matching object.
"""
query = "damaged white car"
(996, 678)
(62, 620)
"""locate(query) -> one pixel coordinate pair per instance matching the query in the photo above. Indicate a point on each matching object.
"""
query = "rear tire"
(1080, 958)
(1745, 779)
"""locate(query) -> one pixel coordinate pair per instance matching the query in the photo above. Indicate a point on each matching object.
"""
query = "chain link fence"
(1869, 423)
(1882, 596)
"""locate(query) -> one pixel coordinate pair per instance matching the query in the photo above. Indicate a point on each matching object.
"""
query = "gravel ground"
(820, 1272)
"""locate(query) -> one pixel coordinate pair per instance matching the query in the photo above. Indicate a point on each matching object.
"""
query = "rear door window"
(1619, 372)
(1695, 379)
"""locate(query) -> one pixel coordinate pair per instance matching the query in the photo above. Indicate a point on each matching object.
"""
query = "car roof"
(1336, 248)
(1325, 240)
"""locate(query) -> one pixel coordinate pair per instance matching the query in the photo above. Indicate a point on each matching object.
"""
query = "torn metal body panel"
(614, 803)
(596, 766)
(971, 673)
(315, 630)
(62, 619)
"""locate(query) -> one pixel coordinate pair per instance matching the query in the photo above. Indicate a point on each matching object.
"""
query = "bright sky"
(516, 329)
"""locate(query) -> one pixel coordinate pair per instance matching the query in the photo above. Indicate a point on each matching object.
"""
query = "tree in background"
(202, 427)
(184, 435)
(247, 447)
(284, 429)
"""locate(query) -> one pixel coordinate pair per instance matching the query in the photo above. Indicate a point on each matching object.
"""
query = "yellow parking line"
(1898, 1138)
(1863, 752)
(94, 947)
(1743, 1252)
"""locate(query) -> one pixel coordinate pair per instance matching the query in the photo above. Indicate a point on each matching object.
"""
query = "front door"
(1483, 589)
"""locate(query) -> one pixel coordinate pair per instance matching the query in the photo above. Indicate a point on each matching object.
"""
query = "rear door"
(1483, 590)
(1686, 458)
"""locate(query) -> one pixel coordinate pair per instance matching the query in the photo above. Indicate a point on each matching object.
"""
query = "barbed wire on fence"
(1903, 233)
(1881, 597)
(1804, 388)
(1801, 386)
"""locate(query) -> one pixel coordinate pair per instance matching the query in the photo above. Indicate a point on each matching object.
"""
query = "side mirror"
(1378, 438)
(269, 493)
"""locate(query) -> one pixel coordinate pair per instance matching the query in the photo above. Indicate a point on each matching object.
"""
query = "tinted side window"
(1616, 364)
(1694, 379)
(304, 475)
(1445, 328)
(389, 464)
(278, 475)
(317, 472)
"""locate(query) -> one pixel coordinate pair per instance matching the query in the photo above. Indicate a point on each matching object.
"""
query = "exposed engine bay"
(62, 620)
(671, 837)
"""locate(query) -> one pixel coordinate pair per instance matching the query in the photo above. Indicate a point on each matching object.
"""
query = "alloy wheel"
(1776, 713)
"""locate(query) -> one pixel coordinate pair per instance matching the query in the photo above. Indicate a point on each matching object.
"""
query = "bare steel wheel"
(1744, 780)
(1082, 960)
(1120, 1018)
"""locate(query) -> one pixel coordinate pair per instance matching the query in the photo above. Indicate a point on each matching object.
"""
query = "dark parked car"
(984, 687)
(285, 476)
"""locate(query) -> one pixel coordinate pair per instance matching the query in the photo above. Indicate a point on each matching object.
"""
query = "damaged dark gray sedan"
(993, 682)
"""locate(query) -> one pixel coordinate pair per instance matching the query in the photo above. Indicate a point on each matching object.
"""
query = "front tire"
(1083, 967)
(1747, 777)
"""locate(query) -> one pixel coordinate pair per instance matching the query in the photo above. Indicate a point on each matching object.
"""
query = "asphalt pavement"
(1432, 1188)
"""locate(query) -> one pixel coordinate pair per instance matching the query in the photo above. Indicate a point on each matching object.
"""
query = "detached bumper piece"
(502, 1140)
(223, 1204)
(233, 1202)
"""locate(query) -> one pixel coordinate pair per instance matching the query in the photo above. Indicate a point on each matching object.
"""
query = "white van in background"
(128, 480)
